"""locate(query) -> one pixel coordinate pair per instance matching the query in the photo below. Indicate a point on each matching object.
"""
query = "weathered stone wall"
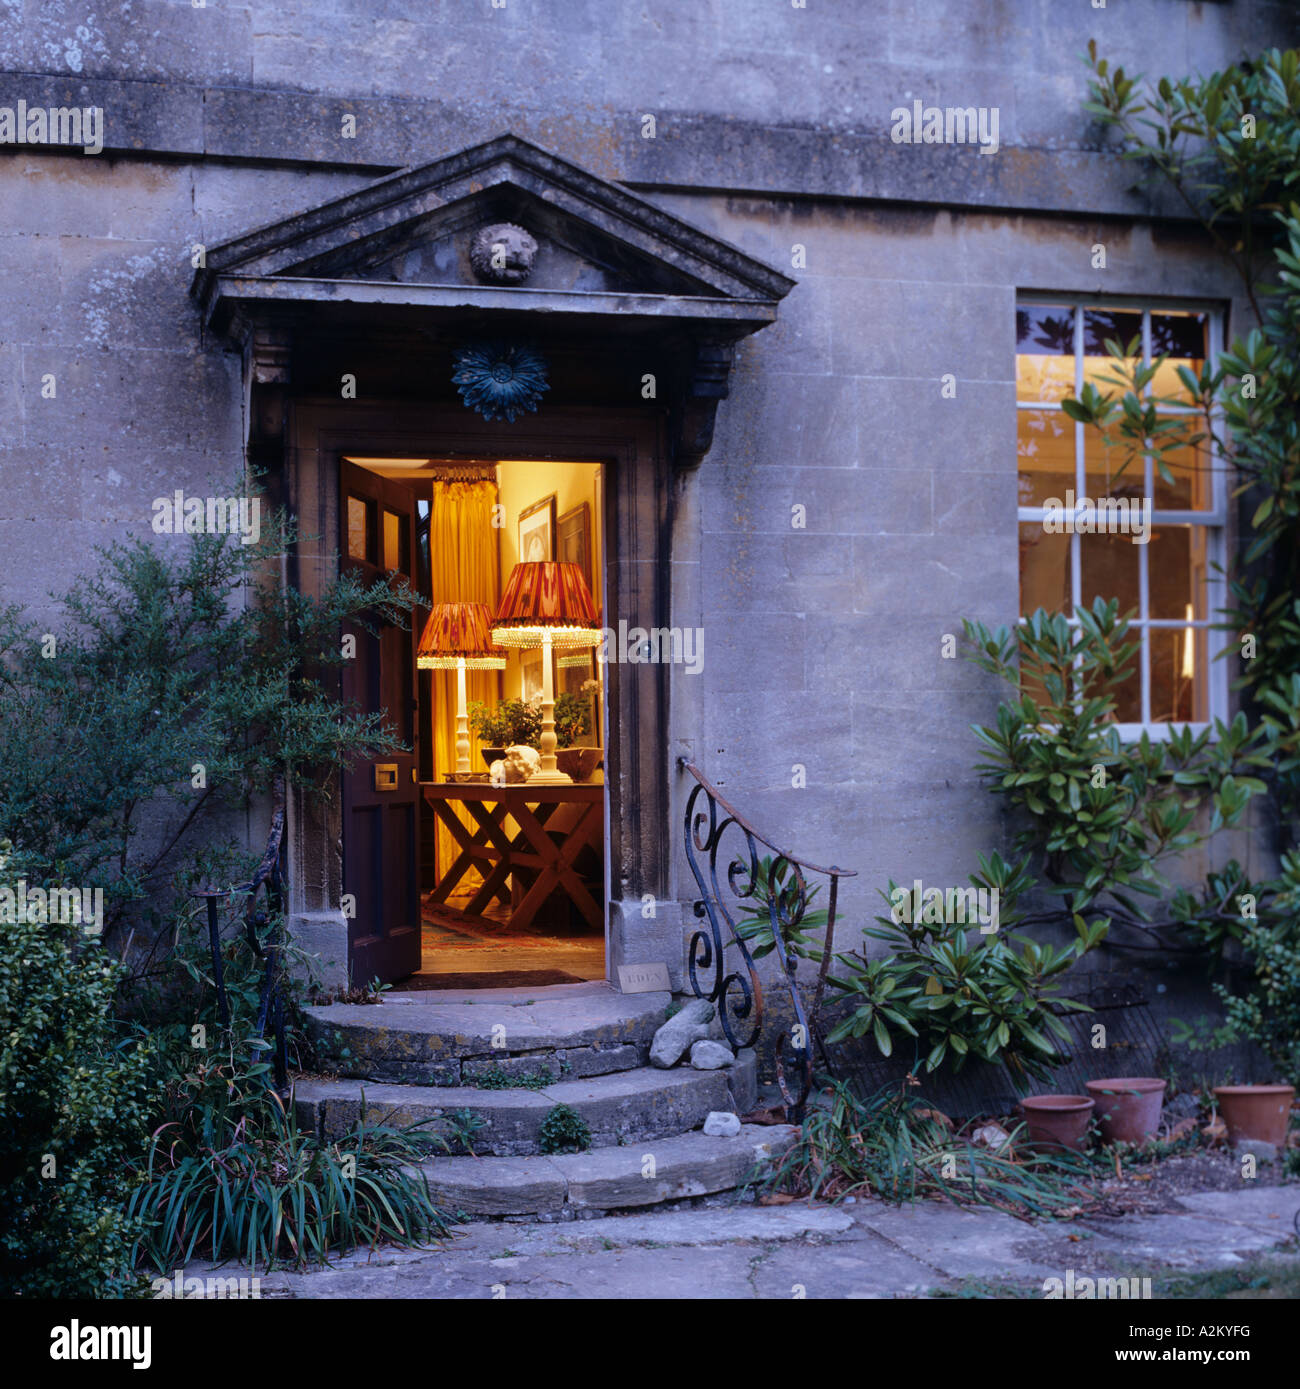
(823, 644)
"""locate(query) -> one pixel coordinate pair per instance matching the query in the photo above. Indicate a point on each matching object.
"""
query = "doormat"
(488, 979)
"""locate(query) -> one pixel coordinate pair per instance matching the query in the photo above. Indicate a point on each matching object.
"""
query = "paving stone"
(863, 1269)
(701, 1227)
(961, 1244)
(628, 1273)
(1266, 1207)
(1190, 1241)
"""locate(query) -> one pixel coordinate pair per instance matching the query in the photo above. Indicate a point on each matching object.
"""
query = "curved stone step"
(451, 1039)
(605, 1179)
(622, 1107)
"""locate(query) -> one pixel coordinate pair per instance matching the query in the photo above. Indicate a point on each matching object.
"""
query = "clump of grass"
(271, 1194)
(887, 1146)
(459, 1128)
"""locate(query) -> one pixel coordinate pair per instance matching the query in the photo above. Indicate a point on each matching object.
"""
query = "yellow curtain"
(465, 567)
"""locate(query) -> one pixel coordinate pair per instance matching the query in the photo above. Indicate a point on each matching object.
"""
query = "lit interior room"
(508, 694)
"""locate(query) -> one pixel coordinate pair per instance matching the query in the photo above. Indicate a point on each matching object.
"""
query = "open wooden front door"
(381, 797)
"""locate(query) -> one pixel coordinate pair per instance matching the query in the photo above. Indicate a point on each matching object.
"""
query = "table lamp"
(457, 637)
(547, 603)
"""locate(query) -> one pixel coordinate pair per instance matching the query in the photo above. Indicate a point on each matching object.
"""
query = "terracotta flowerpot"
(1057, 1122)
(1256, 1111)
(1128, 1107)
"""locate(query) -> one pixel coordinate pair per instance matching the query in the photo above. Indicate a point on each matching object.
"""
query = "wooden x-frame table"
(555, 824)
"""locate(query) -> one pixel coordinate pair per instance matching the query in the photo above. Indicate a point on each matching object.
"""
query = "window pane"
(1109, 569)
(1044, 352)
(1177, 572)
(1099, 325)
(1045, 455)
(396, 547)
(1128, 693)
(1182, 337)
(1113, 466)
(1190, 469)
(361, 529)
(1179, 666)
(1044, 570)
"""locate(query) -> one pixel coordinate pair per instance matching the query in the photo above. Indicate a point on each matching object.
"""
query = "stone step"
(605, 1179)
(453, 1038)
(622, 1107)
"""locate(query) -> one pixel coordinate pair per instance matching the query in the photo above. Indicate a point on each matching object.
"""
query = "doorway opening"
(482, 868)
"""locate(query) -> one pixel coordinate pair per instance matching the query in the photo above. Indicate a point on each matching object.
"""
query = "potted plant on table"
(510, 723)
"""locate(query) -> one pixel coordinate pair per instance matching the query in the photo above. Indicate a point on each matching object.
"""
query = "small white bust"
(520, 762)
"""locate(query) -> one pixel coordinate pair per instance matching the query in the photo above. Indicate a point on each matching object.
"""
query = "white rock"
(707, 1055)
(722, 1125)
(673, 1040)
(991, 1136)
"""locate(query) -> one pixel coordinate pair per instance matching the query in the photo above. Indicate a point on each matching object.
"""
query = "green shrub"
(184, 680)
(564, 1130)
(76, 1099)
(1098, 817)
(990, 994)
(1269, 1014)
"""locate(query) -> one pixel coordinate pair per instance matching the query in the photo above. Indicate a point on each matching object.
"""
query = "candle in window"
(1187, 647)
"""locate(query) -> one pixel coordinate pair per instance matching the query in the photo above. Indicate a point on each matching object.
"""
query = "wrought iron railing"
(753, 881)
(257, 917)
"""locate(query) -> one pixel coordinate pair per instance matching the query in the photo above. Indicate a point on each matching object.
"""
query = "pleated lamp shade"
(456, 632)
(546, 595)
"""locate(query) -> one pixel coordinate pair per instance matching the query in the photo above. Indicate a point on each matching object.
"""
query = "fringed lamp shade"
(546, 596)
(456, 632)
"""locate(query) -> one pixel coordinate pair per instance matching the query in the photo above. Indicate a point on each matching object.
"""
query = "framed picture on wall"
(575, 540)
(537, 530)
(530, 672)
(575, 668)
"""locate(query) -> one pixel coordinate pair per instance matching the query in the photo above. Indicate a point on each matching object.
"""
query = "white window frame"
(1214, 520)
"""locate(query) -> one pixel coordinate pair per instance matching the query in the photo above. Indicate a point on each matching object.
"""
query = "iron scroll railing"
(752, 882)
(257, 917)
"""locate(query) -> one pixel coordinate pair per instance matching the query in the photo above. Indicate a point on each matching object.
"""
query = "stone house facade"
(738, 205)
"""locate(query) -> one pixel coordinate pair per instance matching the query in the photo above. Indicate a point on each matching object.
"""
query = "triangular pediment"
(416, 229)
